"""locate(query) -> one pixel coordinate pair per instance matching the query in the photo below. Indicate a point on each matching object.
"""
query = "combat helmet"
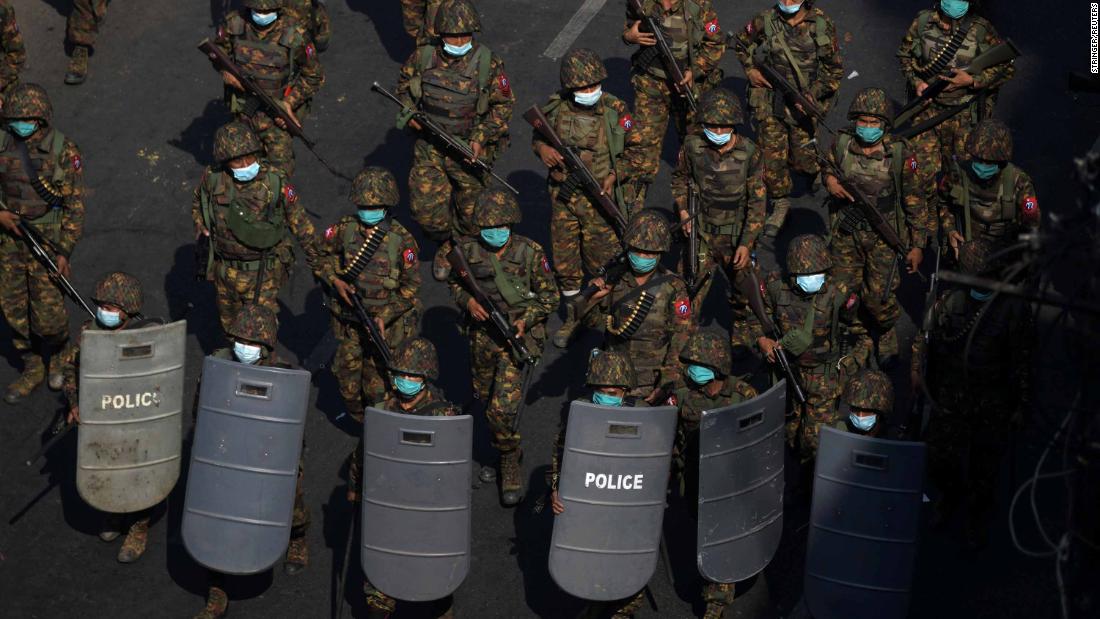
(262, 5)
(28, 101)
(374, 186)
(721, 107)
(648, 231)
(990, 140)
(416, 357)
(581, 67)
(808, 254)
(121, 290)
(709, 349)
(870, 390)
(872, 102)
(255, 323)
(235, 139)
(457, 17)
(495, 208)
(610, 369)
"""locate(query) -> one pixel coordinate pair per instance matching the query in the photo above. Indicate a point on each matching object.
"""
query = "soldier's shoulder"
(233, 24)
(336, 230)
(817, 13)
(398, 228)
(528, 243)
(744, 142)
(924, 15)
(225, 354)
(615, 103)
(983, 23)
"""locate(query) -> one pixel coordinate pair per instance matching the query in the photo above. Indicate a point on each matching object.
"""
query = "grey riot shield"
(613, 479)
(131, 398)
(416, 503)
(741, 486)
(862, 544)
(244, 465)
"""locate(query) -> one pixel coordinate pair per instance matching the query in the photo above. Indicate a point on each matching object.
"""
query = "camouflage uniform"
(418, 17)
(518, 279)
(868, 391)
(313, 15)
(729, 185)
(416, 357)
(889, 174)
(693, 33)
(648, 316)
(81, 29)
(32, 303)
(814, 337)
(471, 98)
(283, 61)
(710, 350)
(808, 55)
(14, 54)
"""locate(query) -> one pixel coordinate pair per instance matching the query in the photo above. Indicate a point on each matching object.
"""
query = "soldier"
(313, 15)
(515, 274)
(884, 169)
(726, 171)
(813, 315)
(42, 178)
(646, 310)
(978, 378)
(868, 399)
(707, 385)
(415, 370)
(276, 51)
(373, 256)
(461, 85)
(81, 29)
(986, 196)
(600, 127)
(246, 206)
(419, 19)
(800, 42)
(14, 54)
(692, 30)
(253, 334)
(118, 297)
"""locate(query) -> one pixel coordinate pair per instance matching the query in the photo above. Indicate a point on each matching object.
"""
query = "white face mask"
(588, 99)
(246, 353)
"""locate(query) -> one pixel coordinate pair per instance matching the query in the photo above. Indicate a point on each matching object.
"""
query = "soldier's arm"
(408, 284)
(632, 161)
(70, 371)
(558, 454)
(493, 125)
(1027, 203)
(830, 67)
(757, 199)
(909, 54)
(913, 200)
(997, 75)
(750, 37)
(543, 285)
(330, 252)
(943, 204)
(222, 38)
(404, 76)
(683, 325)
(303, 229)
(458, 291)
(309, 77)
(15, 54)
(713, 45)
(681, 177)
(72, 212)
(412, 13)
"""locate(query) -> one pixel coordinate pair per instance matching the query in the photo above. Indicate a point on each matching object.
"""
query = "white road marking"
(573, 28)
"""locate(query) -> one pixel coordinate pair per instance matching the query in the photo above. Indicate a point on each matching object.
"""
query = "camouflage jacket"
(813, 46)
(723, 178)
(814, 327)
(998, 209)
(305, 75)
(61, 168)
(389, 283)
(606, 136)
(15, 54)
(523, 286)
(692, 401)
(432, 404)
(418, 17)
(704, 46)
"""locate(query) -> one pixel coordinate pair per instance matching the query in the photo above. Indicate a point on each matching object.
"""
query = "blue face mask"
(108, 319)
(700, 375)
(641, 264)
(23, 128)
(246, 353)
(371, 216)
(864, 423)
(869, 135)
(980, 295)
(588, 99)
(606, 399)
(406, 387)
(954, 9)
(247, 173)
(264, 19)
(985, 171)
(718, 139)
(495, 237)
(458, 50)
(810, 284)
(788, 10)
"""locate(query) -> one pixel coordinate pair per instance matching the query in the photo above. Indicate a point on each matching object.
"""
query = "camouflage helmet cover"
(582, 67)
(990, 140)
(416, 357)
(255, 323)
(872, 102)
(262, 5)
(374, 186)
(871, 390)
(28, 101)
(121, 290)
(721, 107)
(709, 349)
(235, 139)
(496, 207)
(457, 17)
(610, 369)
(648, 231)
(808, 254)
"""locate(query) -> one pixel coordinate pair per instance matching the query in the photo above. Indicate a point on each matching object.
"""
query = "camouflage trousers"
(581, 238)
(380, 601)
(31, 302)
(783, 148)
(715, 260)
(936, 148)
(498, 379)
(443, 192)
(82, 25)
(314, 17)
(863, 261)
(654, 102)
(278, 143)
(822, 386)
(235, 287)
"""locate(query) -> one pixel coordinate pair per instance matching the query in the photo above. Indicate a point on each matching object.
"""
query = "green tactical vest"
(254, 233)
(18, 194)
(876, 180)
(684, 32)
(814, 320)
(989, 213)
(381, 276)
(933, 38)
(600, 143)
(795, 59)
(271, 65)
(453, 95)
(507, 279)
(722, 180)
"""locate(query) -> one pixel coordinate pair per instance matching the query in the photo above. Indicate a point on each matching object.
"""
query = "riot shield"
(613, 480)
(244, 465)
(416, 503)
(741, 486)
(131, 397)
(862, 544)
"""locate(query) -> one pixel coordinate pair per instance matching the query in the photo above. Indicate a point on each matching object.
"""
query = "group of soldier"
(827, 322)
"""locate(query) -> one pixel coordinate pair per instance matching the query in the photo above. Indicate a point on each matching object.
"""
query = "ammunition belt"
(635, 319)
(365, 254)
(936, 65)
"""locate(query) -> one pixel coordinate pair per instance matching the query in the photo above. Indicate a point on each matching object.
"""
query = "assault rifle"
(691, 261)
(752, 289)
(676, 74)
(781, 84)
(35, 244)
(436, 131)
(374, 334)
(578, 172)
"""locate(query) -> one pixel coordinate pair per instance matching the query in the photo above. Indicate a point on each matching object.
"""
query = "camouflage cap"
(374, 186)
(581, 67)
(709, 349)
(808, 254)
(648, 231)
(416, 357)
(262, 5)
(610, 369)
(235, 139)
(121, 290)
(721, 107)
(872, 102)
(28, 101)
(457, 17)
(496, 207)
(872, 390)
(990, 140)
(255, 323)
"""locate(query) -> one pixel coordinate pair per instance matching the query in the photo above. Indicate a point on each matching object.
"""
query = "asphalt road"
(144, 122)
